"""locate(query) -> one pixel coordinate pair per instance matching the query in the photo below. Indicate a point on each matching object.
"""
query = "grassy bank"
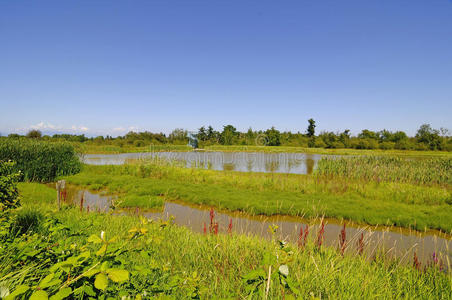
(165, 260)
(91, 148)
(363, 201)
(290, 149)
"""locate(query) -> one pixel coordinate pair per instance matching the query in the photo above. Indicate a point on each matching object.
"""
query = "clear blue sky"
(103, 67)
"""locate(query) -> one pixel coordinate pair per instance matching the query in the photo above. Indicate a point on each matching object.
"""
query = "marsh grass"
(92, 148)
(292, 149)
(428, 171)
(38, 160)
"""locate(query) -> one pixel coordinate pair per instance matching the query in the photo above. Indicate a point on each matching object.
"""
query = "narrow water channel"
(394, 242)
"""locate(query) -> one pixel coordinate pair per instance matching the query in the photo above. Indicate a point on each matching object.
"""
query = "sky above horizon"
(108, 67)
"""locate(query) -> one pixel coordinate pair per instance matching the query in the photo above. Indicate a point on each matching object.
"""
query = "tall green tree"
(429, 136)
(311, 128)
(228, 135)
(34, 134)
(202, 134)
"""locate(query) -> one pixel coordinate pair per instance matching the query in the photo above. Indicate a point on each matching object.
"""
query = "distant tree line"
(426, 138)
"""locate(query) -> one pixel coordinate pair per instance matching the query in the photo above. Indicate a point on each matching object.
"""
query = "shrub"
(139, 143)
(38, 160)
(387, 145)
(8, 186)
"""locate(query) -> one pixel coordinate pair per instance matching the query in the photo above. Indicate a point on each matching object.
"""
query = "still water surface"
(295, 163)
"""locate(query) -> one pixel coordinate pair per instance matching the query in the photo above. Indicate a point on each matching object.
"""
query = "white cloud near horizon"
(49, 128)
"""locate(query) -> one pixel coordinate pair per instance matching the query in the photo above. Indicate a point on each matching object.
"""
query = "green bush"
(38, 160)
(8, 186)
(139, 143)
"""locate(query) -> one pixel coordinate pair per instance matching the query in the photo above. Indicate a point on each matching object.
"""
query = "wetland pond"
(394, 242)
(295, 163)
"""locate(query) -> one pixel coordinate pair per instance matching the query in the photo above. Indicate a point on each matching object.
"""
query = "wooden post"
(58, 194)
(60, 185)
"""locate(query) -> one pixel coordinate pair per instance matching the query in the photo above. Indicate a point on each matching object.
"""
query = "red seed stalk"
(64, 194)
(212, 216)
(360, 244)
(320, 235)
(300, 238)
(306, 232)
(81, 202)
(343, 240)
(230, 226)
(87, 209)
(205, 228)
(215, 228)
(416, 262)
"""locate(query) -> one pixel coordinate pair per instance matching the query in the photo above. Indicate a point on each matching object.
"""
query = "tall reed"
(39, 160)
(427, 171)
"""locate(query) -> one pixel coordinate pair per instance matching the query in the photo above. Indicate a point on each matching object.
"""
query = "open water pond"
(395, 242)
(296, 163)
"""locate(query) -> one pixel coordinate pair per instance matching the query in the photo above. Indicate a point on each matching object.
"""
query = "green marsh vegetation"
(73, 254)
(420, 198)
(39, 160)
(434, 171)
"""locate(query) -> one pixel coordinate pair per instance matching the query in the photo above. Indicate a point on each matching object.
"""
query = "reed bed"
(38, 160)
(427, 171)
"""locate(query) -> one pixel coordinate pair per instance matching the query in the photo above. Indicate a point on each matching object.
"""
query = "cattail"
(320, 234)
(360, 244)
(300, 238)
(343, 240)
(416, 262)
(87, 209)
(230, 226)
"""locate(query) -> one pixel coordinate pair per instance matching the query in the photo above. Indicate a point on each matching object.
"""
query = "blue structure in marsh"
(192, 139)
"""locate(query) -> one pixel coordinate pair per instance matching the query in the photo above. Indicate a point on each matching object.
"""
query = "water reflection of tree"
(292, 163)
(271, 166)
(310, 162)
(228, 167)
(249, 165)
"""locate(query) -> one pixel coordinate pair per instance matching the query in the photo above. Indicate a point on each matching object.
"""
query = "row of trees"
(426, 138)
